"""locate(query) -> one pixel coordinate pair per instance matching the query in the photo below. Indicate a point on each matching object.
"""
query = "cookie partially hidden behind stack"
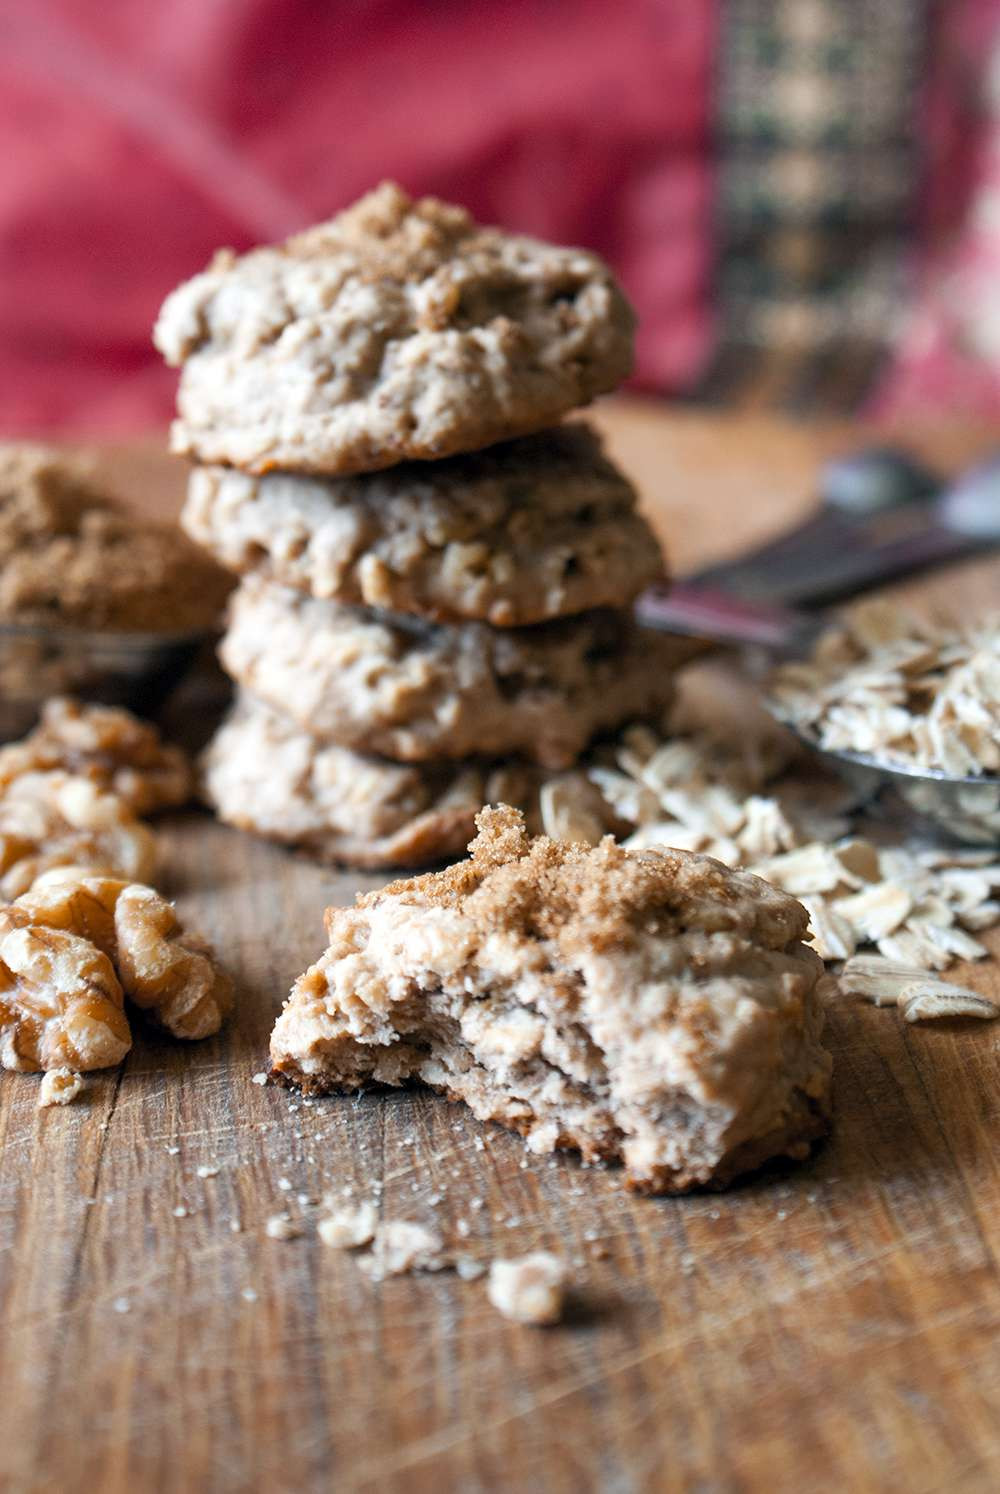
(437, 590)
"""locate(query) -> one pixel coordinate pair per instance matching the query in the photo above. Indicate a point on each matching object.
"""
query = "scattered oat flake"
(180, 1212)
(529, 1289)
(258, 1078)
(929, 999)
(121, 1304)
(59, 1087)
(206, 1171)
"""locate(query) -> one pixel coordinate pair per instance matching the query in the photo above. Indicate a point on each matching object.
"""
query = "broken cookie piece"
(652, 1007)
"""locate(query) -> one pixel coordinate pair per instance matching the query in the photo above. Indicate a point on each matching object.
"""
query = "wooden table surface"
(829, 1326)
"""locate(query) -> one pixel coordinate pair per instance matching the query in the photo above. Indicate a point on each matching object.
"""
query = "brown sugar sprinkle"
(70, 556)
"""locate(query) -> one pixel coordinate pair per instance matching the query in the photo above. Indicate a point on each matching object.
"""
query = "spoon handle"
(693, 610)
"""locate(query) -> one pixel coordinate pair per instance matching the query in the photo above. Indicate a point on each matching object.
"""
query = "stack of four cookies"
(435, 604)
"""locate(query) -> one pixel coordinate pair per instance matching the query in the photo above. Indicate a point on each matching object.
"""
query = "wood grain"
(827, 1326)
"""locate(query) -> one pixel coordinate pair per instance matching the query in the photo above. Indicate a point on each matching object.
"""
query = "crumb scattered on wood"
(59, 1087)
(529, 1289)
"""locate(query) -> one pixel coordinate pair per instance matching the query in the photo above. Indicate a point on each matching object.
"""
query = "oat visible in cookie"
(534, 529)
(650, 1007)
(398, 330)
(411, 690)
(70, 557)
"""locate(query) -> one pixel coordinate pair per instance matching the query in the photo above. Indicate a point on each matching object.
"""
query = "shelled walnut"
(108, 745)
(163, 969)
(70, 951)
(50, 819)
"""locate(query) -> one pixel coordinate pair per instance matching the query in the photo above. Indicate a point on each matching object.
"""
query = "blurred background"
(802, 197)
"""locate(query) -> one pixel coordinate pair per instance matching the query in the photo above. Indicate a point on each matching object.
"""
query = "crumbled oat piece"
(530, 1289)
(59, 1087)
(831, 935)
(468, 1269)
(282, 1227)
(259, 1078)
(114, 749)
(400, 1246)
(348, 1229)
(919, 993)
(208, 1171)
(876, 911)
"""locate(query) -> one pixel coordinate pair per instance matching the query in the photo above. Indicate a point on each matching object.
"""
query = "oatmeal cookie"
(411, 690)
(108, 745)
(652, 1007)
(69, 557)
(262, 774)
(400, 330)
(534, 529)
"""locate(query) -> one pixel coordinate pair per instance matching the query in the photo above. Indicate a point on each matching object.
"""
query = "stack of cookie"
(435, 605)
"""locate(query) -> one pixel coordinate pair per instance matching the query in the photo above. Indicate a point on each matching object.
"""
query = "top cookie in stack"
(431, 574)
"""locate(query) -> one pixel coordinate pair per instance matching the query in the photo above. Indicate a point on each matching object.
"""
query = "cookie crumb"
(529, 1289)
(59, 1087)
(281, 1227)
(400, 1246)
(347, 1229)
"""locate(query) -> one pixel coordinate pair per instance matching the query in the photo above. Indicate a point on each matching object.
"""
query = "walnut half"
(126, 939)
(108, 745)
(50, 819)
(60, 1000)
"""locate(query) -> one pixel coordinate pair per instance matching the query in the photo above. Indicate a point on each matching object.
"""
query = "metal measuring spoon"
(962, 520)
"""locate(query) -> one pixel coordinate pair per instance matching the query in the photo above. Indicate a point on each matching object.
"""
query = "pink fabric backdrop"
(136, 138)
